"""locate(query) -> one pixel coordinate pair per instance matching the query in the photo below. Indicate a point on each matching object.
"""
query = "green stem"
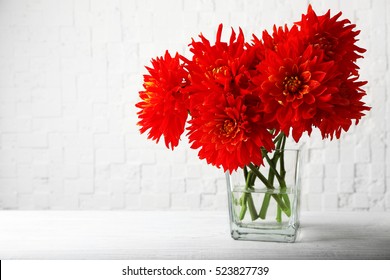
(248, 180)
(286, 200)
(283, 173)
(251, 206)
(280, 202)
(271, 175)
(256, 171)
(246, 200)
(264, 206)
(277, 139)
(278, 214)
(252, 181)
(282, 205)
(282, 168)
(267, 196)
(243, 206)
(245, 172)
(281, 181)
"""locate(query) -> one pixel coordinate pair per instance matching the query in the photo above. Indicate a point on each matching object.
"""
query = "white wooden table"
(184, 235)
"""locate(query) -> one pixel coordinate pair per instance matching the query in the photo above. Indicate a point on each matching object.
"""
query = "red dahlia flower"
(346, 106)
(164, 105)
(268, 42)
(306, 76)
(294, 86)
(222, 67)
(230, 131)
(227, 120)
(334, 37)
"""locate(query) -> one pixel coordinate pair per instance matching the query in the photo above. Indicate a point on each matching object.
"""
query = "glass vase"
(264, 201)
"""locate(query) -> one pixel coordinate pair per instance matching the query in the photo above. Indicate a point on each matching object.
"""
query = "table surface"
(184, 235)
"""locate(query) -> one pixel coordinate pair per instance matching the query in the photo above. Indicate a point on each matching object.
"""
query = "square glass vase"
(268, 207)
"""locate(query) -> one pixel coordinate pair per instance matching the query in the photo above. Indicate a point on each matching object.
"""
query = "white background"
(70, 72)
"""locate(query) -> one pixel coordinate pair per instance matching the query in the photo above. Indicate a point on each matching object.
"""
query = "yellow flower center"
(291, 85)
(230, 128)
(221, 70)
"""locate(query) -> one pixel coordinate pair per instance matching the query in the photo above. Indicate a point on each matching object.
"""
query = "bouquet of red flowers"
(242, 99)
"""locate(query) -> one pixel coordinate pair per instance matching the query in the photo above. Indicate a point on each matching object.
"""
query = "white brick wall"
(70, 72)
